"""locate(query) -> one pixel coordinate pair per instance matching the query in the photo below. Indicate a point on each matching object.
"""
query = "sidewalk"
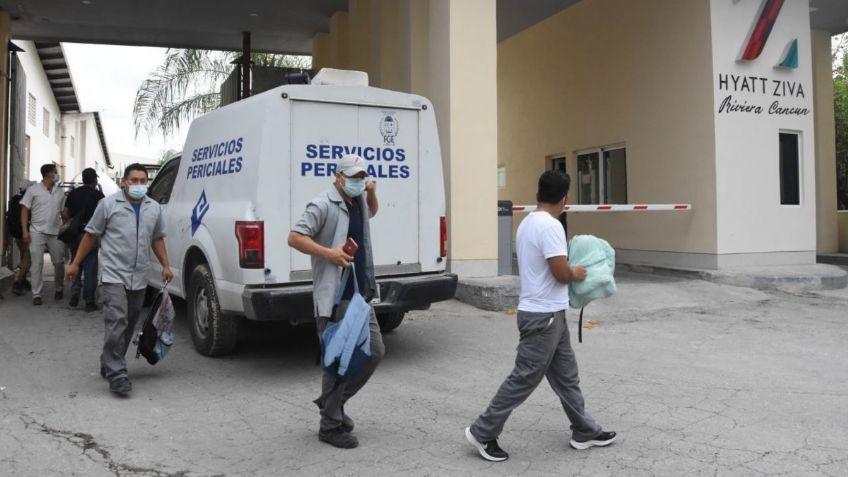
(501, 293)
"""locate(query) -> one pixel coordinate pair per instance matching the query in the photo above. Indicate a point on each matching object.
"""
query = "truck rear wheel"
(213, 332)
(389, 321)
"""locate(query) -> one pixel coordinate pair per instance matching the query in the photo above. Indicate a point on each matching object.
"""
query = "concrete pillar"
(321, 56)
(827, 234)
(387, 45)
(359, 21)
(5, 35)
(340, 40)
(463, 87)
(415, 46)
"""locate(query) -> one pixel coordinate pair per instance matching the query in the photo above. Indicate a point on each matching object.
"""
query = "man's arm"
(162, 256)
(85, 247)
(25, 224)
(371, 196)
(305, 244)
(563, 272)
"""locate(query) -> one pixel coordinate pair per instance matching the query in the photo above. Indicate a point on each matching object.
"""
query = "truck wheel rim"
(201, 311)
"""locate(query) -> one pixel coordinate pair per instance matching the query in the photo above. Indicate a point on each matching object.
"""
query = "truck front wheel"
(389, 321)
(213, 332)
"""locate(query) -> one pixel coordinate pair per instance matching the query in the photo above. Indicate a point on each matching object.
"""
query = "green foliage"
(840, 108)
(188, 84)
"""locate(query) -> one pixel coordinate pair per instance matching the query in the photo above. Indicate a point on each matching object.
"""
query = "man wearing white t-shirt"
(544, 346)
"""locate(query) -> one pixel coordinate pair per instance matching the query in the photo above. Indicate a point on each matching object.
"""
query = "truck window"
(160, 189)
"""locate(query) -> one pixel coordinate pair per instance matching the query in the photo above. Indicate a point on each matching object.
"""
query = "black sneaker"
(74, 301)
(59, 294)
(36, 300)
(18, 288)
(89, 307)
(103, 372)
(338, 437)
(489, 450)
(120, 386)
(601, 440)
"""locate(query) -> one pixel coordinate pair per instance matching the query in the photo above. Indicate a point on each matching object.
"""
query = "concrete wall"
(609, 72)
(89, 152)
(751, 219)
(827, 234)
(43, 148)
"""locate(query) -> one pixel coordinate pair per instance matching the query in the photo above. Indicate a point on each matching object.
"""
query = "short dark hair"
(134, 167)
(553, 186)
(47, 169)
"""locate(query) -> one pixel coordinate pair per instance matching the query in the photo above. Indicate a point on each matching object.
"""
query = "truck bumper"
(398, 295)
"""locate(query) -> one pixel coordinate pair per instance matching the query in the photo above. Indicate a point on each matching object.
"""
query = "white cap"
(352, 165)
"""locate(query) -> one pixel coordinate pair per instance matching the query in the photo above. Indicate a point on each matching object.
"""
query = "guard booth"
(504, 237)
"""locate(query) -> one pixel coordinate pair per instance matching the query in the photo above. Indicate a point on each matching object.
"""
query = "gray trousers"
(335, 393)
(544, 350)
(38, 244)
(121, 308)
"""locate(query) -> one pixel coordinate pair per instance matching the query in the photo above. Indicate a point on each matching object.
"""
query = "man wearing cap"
(343, 211)
(80, 207)
(40, 208)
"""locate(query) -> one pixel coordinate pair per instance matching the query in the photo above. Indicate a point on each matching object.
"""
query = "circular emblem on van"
(389, 129)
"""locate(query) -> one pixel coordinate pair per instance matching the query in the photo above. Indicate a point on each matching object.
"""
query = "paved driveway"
(697, 378)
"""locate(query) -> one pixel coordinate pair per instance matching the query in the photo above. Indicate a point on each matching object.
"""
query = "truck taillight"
(443, 237)
(251, 244)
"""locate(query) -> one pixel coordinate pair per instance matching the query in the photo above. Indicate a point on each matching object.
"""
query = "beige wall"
(605, 72)
(827, 234)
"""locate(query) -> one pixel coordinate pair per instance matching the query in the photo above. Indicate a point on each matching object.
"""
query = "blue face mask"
(354, 187)
(137, 192)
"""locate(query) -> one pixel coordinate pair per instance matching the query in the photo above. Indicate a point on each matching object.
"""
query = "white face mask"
(55, 177)
(354, 187)
(137, 191)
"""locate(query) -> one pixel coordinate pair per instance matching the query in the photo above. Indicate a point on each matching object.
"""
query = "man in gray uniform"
(128, 224)
(544, 346)
(342, 212)
(40, 207)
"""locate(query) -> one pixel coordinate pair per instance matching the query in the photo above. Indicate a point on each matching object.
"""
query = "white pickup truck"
(244, 177)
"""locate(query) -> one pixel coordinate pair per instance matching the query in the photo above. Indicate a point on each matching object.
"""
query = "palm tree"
(187, 84)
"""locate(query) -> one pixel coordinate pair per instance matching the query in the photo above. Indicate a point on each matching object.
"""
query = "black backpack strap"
(580, 327)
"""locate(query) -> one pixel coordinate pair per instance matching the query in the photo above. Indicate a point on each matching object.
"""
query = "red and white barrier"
(609, 207)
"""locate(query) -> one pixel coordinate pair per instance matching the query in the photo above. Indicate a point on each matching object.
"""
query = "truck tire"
(213, 332)
(389, 321)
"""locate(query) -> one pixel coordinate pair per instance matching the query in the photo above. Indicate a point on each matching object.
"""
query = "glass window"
(31, 109)
(45, 124)
(602, 176)
(501, 177)
(556, 163)
(615, 176)
(790, 175)
(588, 183)
(160, 189)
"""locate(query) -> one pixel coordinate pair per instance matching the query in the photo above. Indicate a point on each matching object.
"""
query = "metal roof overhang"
(275, 26)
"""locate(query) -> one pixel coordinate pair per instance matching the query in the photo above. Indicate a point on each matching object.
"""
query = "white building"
(54, 129)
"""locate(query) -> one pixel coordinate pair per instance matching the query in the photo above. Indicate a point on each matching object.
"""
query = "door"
(387, 139)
